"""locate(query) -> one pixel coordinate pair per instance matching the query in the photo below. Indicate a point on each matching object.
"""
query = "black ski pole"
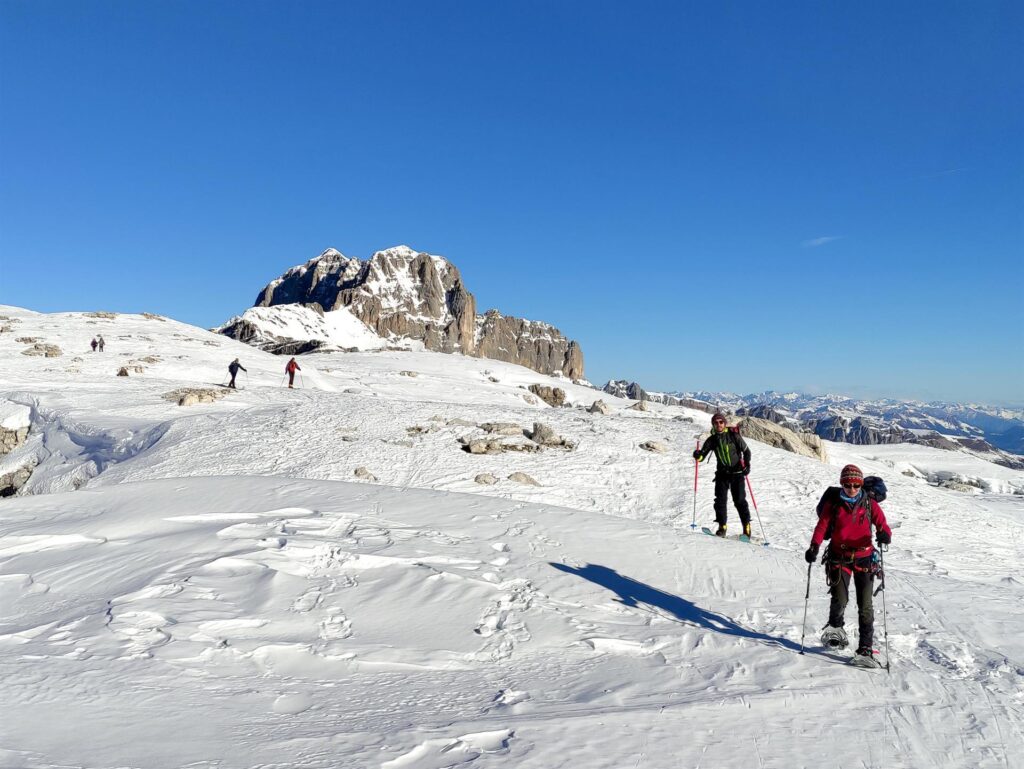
(696, 470)
(881, 587)
(807, 597)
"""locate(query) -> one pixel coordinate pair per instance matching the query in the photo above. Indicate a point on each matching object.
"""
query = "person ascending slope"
(733, 457)
(291, 368)
(849, 516)
(233, 368)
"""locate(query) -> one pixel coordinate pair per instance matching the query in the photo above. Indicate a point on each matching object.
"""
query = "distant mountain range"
(996, 433)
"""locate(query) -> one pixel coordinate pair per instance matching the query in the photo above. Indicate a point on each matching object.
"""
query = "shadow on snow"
(632, 593)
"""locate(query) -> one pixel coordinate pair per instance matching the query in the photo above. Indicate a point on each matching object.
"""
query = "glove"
(883, 538)
(697, 455)
(812, 554)
(746, 469)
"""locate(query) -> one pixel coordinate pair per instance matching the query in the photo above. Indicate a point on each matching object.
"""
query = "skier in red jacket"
(291, 368)
(848, 517)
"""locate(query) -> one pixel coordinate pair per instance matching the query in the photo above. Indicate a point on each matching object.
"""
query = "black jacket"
(730, 449)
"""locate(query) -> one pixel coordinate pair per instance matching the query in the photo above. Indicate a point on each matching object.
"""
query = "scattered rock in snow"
(408, 373)
(45, 350)
(486, 479)
(362, 472)
(545, 436)
(501, 428)
(150, 359)
(211, 343)
(496, 446)
(529, 399)
(493, 379)
(151, 316)
(523, 478)
(599, 407)
(460, 423)
(123, 371)
(420, 430)
(683, 419)
(656, 446)
(553, 396)
(27, 339)
(100, 314)
(190, 396)
(11, 481)
(639, 406)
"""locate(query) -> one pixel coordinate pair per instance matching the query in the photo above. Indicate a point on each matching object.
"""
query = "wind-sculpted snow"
(223, 592)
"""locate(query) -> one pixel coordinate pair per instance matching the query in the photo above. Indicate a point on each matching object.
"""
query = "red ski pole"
(758, 514)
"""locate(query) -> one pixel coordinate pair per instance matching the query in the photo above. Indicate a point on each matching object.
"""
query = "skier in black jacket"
(733, 456)
(233, 369)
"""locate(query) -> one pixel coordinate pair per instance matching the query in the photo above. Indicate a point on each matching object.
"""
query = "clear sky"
(731, 196)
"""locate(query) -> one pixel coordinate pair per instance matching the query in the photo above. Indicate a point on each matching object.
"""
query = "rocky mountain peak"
(401, 293)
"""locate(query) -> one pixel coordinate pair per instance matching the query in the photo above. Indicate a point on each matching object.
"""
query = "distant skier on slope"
(233, 369)
(291, 368)
(100, 343)
(733, 456)
(849, 517)
(93, 344)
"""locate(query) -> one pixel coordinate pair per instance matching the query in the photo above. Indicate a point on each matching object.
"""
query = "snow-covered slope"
(272, 328)
(223, 591)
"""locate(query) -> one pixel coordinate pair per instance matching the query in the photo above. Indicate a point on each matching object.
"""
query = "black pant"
(863, 582)
(232, 382)
(725, 483)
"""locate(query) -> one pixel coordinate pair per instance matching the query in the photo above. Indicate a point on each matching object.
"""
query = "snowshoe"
(834, 638)
(865, 658)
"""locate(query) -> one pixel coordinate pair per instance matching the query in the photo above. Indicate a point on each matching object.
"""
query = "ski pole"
(881, 586)
(756, 512)
(807, 597)
(283, 377)
(302, 382)
(696, 469)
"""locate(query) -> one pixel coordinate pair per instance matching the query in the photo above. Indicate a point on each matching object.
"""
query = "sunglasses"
(852, 485)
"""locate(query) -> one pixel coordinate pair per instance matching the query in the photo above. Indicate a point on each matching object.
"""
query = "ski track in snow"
(221, 574)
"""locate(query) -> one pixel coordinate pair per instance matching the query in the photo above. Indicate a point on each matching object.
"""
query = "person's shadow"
(632, 593)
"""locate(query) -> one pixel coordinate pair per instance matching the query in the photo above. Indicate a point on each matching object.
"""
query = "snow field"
(221, 592)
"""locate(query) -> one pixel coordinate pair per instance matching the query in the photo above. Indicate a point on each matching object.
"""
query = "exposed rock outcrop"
(859, 430)
(805, 444)
(402, 293)
(553, 396)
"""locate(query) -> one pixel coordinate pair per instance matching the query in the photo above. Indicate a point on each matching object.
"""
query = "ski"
(740, 538)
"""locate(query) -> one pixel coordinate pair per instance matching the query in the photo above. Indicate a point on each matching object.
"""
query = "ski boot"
(746, 530)
(865, 658)
(834, 638)
(721, 530)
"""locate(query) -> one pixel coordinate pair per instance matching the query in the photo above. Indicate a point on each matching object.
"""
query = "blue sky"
(738, 196)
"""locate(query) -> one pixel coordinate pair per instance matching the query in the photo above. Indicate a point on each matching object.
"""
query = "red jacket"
(292, 367)
(851, 526)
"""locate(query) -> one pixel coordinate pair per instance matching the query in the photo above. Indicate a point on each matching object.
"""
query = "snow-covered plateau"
(323, 577)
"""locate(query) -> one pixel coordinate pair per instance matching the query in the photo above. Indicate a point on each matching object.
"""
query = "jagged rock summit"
(403, 294)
